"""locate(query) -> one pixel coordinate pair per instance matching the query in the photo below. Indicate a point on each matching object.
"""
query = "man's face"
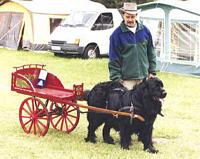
(130, 19)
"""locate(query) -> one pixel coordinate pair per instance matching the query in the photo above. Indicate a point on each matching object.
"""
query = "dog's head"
(156, 88)
(154, 93)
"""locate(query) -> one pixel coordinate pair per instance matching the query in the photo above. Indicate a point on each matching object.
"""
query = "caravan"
(85, 33)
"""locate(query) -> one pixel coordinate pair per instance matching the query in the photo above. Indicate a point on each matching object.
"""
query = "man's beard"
(130, 25)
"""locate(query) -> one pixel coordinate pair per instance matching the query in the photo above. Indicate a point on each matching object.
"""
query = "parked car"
(85, 33)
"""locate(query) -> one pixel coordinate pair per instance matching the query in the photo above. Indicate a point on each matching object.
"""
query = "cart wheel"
(33, 116)
(64, 117)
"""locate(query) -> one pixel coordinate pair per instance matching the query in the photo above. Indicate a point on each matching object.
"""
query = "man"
(131, 53)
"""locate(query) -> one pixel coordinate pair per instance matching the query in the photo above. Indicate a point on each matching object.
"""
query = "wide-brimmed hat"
(130, 8)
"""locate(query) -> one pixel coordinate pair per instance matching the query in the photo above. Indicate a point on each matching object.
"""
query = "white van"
(85, 33)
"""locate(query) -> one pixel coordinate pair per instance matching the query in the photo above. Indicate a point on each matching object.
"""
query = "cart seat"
(54, 93)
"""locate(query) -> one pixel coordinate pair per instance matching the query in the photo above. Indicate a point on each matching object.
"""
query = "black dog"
(143, 100)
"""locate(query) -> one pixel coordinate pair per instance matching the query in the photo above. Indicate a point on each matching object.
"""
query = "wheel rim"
(33, 116)
(91, 54)
(64, 117)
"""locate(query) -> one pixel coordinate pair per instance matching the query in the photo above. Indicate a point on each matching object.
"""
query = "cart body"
(34, 114)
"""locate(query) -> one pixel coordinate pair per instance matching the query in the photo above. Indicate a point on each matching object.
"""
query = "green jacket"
(131, 56)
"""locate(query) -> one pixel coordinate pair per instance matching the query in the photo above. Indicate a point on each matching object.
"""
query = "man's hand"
(151, 76)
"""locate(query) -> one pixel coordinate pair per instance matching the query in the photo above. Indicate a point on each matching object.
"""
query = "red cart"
(49, 101)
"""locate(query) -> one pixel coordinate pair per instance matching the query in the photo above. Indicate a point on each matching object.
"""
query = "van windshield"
(79, 19)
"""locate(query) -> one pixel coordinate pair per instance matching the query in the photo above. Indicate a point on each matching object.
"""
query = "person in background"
(131, 52)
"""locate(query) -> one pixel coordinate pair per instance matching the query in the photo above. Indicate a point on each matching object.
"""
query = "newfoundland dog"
(144, 100)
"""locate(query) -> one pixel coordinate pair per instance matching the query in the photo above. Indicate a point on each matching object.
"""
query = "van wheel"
(91, 52)
(56, 54)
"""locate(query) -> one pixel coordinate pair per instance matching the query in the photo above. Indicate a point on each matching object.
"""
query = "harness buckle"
(132, 113)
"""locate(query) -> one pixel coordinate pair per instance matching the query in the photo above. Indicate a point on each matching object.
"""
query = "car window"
(103, 22)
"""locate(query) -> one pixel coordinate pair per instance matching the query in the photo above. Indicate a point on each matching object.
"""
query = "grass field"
(176, 134)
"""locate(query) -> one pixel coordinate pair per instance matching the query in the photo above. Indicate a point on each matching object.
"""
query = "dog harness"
(130, 108)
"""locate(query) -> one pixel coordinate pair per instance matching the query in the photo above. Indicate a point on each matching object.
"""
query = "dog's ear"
(146, 82)
(146, 88)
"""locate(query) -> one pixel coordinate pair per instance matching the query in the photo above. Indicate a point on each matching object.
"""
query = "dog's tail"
(84, 96)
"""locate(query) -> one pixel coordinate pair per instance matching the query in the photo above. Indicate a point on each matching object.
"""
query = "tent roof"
(175, 14)
(190, 6)
(57, 6)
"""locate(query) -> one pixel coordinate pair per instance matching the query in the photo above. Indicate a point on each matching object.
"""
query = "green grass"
(176, 134)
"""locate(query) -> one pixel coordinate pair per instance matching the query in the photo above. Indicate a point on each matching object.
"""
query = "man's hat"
(130, 8)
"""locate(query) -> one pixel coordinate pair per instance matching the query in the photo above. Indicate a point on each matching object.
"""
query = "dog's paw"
(151, 149)
(125, 147)
(109, 140)
(92, 140)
